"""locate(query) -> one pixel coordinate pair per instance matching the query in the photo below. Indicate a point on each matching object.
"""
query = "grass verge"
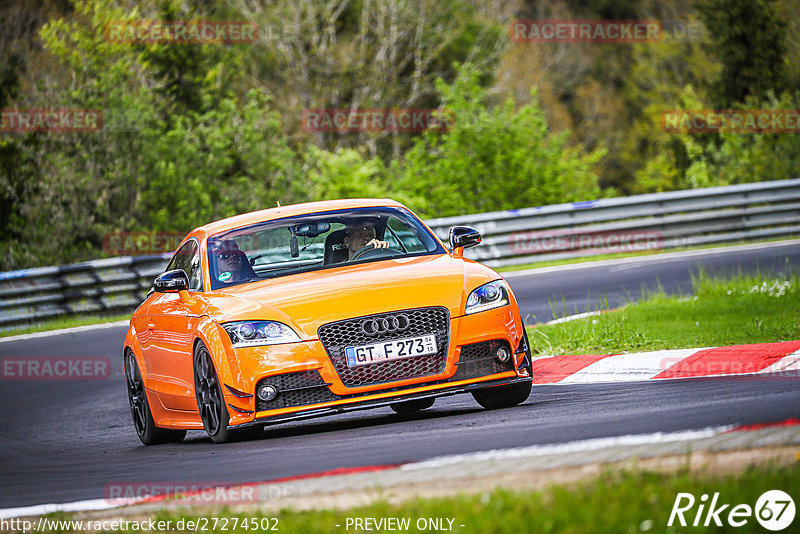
(63, 322)
(627, 501)
(722, 311)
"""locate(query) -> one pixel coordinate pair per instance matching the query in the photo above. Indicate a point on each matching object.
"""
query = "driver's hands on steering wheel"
(376, 243)
(372, 246)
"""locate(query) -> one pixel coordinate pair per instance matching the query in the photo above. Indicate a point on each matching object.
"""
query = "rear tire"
(411, 406)
(146, 429)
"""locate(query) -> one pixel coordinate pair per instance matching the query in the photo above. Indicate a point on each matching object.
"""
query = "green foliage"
(369, 55)
(343, 173)
(751, 157)
(704, 160)
(215, 164)
(663, 78)
(197, 132)
(493, 158)
(749, 38)
(187, 152)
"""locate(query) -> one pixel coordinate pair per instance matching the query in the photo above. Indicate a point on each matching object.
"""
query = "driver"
(359, 235)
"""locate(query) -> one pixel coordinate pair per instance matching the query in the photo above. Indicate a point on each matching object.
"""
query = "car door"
(169, 354)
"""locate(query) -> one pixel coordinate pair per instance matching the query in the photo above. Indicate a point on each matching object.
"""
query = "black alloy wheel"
(211, 402)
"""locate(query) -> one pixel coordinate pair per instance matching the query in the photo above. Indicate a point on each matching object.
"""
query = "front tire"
(502, 396)
(146, 429)
(211, 402)
(507, 396)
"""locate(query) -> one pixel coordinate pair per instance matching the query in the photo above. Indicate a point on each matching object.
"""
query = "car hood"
(306, 301)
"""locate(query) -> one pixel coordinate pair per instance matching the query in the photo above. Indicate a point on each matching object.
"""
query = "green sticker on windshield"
(224, 276)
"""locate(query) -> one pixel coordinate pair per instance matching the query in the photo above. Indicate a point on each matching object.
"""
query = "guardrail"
(656, 221)
(114, 285)
(694, 217)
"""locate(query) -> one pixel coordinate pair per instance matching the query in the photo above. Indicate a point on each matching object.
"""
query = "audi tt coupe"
(317, 309)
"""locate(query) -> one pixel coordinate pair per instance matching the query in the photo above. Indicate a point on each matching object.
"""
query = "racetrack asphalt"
(67, 440)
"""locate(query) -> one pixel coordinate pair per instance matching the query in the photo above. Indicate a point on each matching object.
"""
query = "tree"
(368, 54)
(749, 38)
(170, 155)
(20, 172)
(493, 159)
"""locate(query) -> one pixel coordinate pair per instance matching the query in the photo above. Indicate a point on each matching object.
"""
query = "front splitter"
(369, 404)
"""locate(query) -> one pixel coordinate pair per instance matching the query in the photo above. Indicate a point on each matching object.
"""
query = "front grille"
(479, 359)
(336, 336)
(307, 387)
(295, 389)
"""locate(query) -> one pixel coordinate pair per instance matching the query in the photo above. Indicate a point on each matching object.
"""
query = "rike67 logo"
(774, 510)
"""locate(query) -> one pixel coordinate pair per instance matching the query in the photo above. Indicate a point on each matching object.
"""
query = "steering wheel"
(371, 252)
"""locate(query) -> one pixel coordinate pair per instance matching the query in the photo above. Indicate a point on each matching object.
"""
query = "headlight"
(255, 333)
(487, 297)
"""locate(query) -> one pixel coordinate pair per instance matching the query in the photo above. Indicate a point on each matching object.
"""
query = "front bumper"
(306, 373)
(378, 401)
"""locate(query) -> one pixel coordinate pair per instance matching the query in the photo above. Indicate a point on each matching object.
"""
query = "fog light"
(503, 354)
(267, 393)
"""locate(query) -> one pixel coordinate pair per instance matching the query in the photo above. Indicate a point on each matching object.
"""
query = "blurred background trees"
(193, 133)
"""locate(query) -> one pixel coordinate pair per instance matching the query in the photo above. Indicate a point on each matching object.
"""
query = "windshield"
(316, 241)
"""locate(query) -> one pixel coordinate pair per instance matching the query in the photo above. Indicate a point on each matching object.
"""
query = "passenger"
(232, 264)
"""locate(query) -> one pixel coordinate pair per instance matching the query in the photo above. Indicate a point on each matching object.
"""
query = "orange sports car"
(318, 309)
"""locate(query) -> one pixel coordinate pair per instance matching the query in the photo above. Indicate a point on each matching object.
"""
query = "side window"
(195, 274)
(188, 258)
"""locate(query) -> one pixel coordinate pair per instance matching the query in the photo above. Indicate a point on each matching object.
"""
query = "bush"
(493, 158)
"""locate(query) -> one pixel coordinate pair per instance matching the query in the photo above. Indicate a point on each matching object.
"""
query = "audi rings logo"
(384, 325)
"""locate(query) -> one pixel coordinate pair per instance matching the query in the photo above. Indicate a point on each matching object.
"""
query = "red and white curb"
(761, 358)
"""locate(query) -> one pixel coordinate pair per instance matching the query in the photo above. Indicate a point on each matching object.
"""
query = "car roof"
(280, 212)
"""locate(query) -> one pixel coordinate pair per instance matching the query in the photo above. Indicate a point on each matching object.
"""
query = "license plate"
(391, 350)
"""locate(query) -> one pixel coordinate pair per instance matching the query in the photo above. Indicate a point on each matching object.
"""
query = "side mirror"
(174, 280)
(464, 237)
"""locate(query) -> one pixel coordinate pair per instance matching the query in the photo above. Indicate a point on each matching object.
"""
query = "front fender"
(216, 340)
(218, 344)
